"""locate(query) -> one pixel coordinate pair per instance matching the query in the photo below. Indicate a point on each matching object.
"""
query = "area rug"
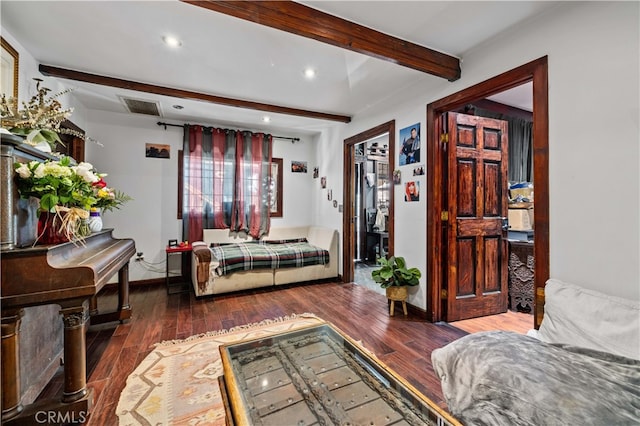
(177, 383)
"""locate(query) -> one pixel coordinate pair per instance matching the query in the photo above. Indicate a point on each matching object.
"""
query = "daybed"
(581, 368)
(209, 277)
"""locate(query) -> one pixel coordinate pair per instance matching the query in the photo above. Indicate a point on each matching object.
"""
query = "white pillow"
(587, 318)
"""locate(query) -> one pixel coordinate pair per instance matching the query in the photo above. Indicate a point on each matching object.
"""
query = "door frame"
(536, 71)
(348, 237)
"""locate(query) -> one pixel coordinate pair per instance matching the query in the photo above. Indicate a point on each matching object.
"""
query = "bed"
(225, 262)
(581, 367)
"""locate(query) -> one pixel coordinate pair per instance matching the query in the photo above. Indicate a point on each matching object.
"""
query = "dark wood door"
(477, 161)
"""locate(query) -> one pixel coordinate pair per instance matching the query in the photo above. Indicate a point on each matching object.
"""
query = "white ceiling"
(225, 56)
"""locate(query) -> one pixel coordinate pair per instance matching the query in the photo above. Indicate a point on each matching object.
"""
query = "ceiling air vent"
(138, 106)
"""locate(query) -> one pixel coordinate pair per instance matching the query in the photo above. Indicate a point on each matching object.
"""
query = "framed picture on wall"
(275, 188)
(409, 145)
(155, 150)
(9, 69)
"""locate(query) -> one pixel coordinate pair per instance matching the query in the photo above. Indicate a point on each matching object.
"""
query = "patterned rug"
(177, 383)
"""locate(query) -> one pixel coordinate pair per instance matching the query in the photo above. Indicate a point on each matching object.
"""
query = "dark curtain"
(226, 173)
(520, 143)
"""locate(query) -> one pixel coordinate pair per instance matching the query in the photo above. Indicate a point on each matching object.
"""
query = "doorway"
(371, 213)
(438, 221)
(365, 172)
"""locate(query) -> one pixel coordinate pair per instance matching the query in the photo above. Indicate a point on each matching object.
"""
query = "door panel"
(477, 243)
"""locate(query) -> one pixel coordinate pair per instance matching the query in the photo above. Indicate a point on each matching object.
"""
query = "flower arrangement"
(57, 183)
(40, 118)
(107, 198)
(67, 191)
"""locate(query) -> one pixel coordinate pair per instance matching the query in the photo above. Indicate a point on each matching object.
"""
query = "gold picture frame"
(10, 61)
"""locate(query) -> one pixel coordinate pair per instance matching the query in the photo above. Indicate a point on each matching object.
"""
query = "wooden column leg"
(124, 308)
(93, 306)
(75, 352)
(11, 406)
(123, 289)
(404, 307)
(393, 304)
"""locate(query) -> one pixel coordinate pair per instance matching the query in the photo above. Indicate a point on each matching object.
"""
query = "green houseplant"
(394, 272)
(394, 276)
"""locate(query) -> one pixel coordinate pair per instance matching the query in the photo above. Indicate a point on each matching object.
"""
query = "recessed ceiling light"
(309, 73)
(171, 41)
(266, 119)
(178, 106)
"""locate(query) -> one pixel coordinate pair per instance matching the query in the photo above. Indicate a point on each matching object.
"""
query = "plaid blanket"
(255, 255)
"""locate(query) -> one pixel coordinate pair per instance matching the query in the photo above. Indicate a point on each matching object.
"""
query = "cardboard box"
(524, 192)
(521, 219)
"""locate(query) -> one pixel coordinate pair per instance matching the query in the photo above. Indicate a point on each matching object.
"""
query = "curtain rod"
(160, 123)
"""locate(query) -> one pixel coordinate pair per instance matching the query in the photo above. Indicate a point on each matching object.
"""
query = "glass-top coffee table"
(319, 376)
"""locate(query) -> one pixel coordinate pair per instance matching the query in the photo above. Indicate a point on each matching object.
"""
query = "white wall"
(151, 218)
(593, 50)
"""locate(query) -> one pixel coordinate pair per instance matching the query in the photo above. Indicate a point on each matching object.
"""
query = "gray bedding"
(503, 378)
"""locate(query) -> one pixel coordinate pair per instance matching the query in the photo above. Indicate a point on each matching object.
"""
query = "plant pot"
(63, 226)
(49, 229)
(95, 221)
(26, 219)
(397, 294)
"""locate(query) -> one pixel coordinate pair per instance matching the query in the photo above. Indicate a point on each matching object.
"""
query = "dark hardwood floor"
(114, 350)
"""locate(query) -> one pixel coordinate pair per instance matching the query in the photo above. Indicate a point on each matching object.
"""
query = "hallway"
(518, 322)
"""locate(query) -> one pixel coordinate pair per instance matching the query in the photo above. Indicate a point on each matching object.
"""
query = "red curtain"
(226, 175)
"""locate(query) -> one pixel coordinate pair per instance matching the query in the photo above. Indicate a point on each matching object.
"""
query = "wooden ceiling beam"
(307, 22)
(102, 80)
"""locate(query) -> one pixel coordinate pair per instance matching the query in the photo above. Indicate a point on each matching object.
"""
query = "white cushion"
(578, 316)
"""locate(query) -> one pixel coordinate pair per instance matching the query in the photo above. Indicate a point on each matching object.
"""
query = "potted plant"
(65, 192)
(394, 276)
(39, 120)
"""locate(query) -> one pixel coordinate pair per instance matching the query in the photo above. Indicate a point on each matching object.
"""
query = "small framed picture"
(397, 177)
(155, 150)
(173, 243)
(299, 166)
(323, 182)
(316, 172)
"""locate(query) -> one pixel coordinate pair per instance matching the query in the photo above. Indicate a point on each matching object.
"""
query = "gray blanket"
(503, 378)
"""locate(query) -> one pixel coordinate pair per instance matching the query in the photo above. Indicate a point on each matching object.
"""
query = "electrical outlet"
(139, 256)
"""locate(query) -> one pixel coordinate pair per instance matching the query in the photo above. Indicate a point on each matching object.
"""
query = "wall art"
(409, 145)
(154, 150)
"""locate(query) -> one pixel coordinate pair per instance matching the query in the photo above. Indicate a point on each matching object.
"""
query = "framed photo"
(275, 188)
(154, 150)
(299, 166)
(409, 145)
(418, 170)
(412, 191)
(173, 243)
(397, 177)
(323, 182)
(10, 60)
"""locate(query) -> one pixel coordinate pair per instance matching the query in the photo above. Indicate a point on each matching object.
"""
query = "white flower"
(55, 169)
(84, 171)
(84, 165)
(23, 171)
(40, 171)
